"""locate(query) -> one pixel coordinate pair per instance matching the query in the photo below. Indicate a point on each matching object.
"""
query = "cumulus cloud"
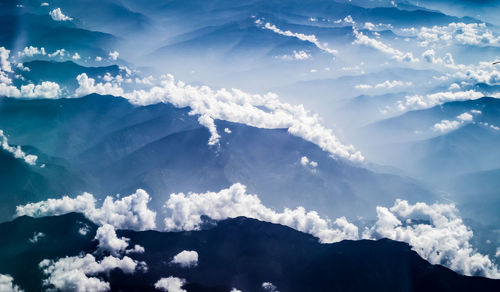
(109, 242)
(46, 89)
(57, 15)
(303, 37)
(4, 60)
(114, 55)
(185, 211)
(386, 84)
(454, 33)
(443, 240)
(186, 259)
(31, 51)
(447, 125)
(130, 212)
(76, 57)
(208, 122)
(268, 286)
(137, 249)
(75, 273)
(297, 55)
(430, 57)
(362, 39)
(37, 236)
(413, 102)
(17, 151)
(262, 111)
(7, 284)
(170, 284)
(305, 162)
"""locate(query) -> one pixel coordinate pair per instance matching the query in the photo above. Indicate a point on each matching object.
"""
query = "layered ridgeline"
(239, 254)
(105, 145)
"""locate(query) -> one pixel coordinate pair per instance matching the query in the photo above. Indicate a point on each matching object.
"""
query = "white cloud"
(446, 126)
(297, 55)
(186, 259)
(454, 33)
(75, 273)
(114, 55)
(303, 37)
(208, 122)
(185, 211)
(412, 102)
(170, 284)
(7, 284)
(109, 242)
(386, 84)
(137, 249)
(362, 39)
(430, 57)
(57, 15)
(16, 151)
(4, 60)
(98, 58)
(44, 4)
(130, 212)
(262, 111)
(465, 117)
(227, 131)
(31, 51)
(47, 89)
(36, 237)
(235, 290)
(443, 240)
(76, 57)
(268, 286)
(305, 162)
(60, 52)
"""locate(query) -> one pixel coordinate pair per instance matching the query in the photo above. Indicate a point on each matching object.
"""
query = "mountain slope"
(229, 255)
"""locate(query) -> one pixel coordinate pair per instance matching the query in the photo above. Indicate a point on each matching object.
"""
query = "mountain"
(237, 253)
(163, 149)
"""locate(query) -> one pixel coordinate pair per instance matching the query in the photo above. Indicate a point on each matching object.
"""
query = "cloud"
(362, 39)
(386, 84)
(44, 4)
(186, 259)
(109, 242)
(75, 273)
(268, 286)
(305, 162)
(170, 284)
(208, 122)
(303, 37)
(297, 55)
(37, 236)
(17, 151)
(430, 57)
(444, 240)
(7, 284)
(454, 33)
(46, 89)
(413, 102)
(137, 249)
(185, 211)
(447, 125)
(60, 52)
(130, 212)
(262, 111)
(4, 60)
(57, 15)
(114, 55)
(76, 57)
